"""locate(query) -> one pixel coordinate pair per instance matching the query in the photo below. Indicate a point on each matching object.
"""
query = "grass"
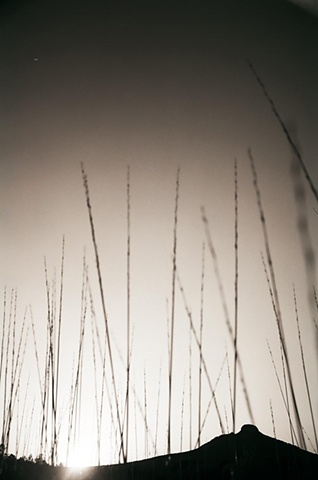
(115, 390)
(12, 353)
(85, 182)
(174, 266)
(128, 351)
(200, 343)
(276, 304)
(235, 295)
(305, 373)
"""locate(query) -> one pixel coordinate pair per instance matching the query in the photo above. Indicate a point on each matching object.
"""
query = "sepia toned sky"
(156, 88)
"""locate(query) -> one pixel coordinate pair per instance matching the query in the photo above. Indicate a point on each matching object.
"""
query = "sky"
(155, 88)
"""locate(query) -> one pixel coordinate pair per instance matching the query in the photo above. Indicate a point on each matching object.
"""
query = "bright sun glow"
(78, 459)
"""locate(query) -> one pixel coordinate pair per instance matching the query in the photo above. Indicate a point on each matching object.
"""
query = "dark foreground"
(246, 455)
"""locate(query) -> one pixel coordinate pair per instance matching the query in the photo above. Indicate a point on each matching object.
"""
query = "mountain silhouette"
(246, 455)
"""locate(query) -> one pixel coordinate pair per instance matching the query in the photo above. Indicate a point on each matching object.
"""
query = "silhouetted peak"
(249, 429)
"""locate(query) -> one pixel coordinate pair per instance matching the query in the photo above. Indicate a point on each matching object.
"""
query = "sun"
(78, 459)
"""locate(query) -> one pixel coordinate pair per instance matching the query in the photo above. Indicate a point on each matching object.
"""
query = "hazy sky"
(155, 89)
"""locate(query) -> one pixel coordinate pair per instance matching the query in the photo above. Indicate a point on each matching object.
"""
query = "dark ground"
(246, 455)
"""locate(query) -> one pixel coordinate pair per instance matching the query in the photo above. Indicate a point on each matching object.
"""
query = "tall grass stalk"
(272, 418)
(52, 322)
(101, 403)
(95, 385)
(210, 401)
(43, 435)
(226, 420)
(276, 299)
(101, 288)
(102, 355)
(141, 408)
(280, 343)
(146, 415)
(182, 414)
(4, 318)
(168, 343)
(70, 414)
(9, 408)
(192, 328)
(128, 353)
(282, 358)
(316, 301)
(17, 427)
(6, 373)
(235, 293)
(225, 309)
(20, 422)
(200, 340)
(285, 130)
(58, 353)
(8, 419)
(230, 383)
(157, 414)
(294, 436)
(95, 334)
(76, 408)
(190, 389)
(174, 265)
(305, 372)
(136, 431)
(304, 234)
(19, 361)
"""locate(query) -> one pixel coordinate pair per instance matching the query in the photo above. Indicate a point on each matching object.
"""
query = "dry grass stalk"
(281, 348)
(230, 382)
(74, 415)
(192, 329)
(17, 373)
(6, 373)
(102, 355)
(182, 414)
(3, 330)
(305, 373)
(52, 371)
(128, 311)
(282, 394)
(272, 417)
(57, 373)
(225, 309)
(190, 388)
(235, 293)
(210, 401)
(146, 415)
(286, 131)
(8, 409)
(43, 434)
(95, 385)
(276, 299)
(90, 214)
(157, 415)
(200, 341)
(20, 423)
(174, 265)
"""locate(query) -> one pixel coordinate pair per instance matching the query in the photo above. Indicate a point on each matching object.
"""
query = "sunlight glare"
(78, 459)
